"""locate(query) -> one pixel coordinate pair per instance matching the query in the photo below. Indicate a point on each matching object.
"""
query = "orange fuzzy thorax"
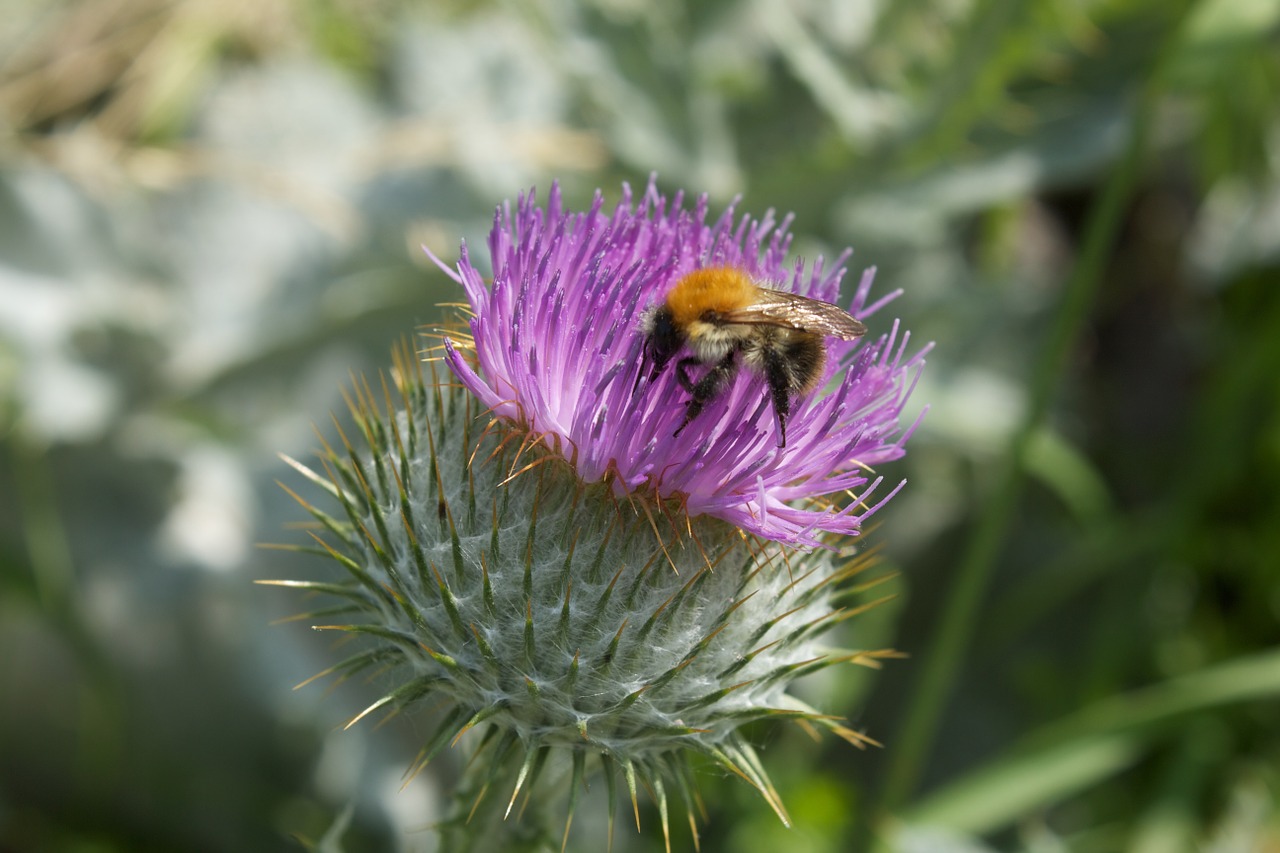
(718, 289)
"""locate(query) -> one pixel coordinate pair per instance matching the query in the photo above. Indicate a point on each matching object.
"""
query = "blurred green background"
(210, 215)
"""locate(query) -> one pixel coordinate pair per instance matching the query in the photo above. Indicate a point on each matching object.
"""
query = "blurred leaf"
(930, 839)
(1227, 25)
(1071, 476)
(992, 798)
(1085, 749)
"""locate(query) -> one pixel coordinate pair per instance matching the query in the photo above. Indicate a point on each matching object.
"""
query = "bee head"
(662, 341)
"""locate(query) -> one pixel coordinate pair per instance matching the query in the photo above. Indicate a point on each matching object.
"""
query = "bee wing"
(793, 311)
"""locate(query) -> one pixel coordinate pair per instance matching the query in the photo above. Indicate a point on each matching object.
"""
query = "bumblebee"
(726, 319)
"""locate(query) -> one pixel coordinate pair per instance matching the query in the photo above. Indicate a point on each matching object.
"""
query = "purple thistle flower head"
(558, 348)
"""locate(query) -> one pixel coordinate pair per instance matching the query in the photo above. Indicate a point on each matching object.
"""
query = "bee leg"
(711, 384)
(650, 369)
(779, 377)
(682, 373)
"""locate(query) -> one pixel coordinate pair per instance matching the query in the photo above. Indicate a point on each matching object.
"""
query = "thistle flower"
(535, 555)
(556, 341)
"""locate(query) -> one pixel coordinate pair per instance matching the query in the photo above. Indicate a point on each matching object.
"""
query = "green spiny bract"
(555, 614)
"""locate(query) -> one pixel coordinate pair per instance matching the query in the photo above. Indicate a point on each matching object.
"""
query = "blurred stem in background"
(950, 646)
(44, 533)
